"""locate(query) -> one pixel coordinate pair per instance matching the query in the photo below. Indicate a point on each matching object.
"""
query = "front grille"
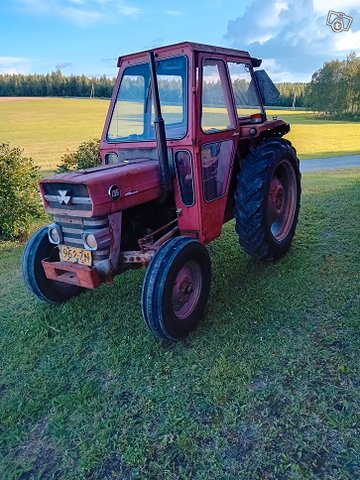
(67, 195)
(73, 228)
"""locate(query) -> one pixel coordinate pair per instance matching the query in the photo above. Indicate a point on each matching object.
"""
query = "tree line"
(56, 84)
(334, 89)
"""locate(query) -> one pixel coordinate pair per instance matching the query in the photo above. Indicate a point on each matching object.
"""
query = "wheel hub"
(276, 197)
(282, 200)
(186, 290)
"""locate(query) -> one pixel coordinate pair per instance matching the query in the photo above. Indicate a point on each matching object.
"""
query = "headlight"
(96, 240)
(55, 235)
(89, 240)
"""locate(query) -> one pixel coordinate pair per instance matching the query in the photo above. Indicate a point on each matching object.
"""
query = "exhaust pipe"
(159, 124)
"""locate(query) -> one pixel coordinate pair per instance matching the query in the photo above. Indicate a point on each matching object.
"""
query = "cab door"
(217, 134)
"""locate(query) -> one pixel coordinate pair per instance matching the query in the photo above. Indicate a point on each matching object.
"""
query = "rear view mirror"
(269, 92)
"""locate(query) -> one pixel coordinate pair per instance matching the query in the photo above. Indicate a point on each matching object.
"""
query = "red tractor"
(186, 147)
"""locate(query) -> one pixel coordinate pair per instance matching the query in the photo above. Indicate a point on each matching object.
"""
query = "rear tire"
(176, 288)
(38, 248)
(268, 199)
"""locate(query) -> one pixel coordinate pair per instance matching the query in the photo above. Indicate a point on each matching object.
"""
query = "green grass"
(316, 137)
(47, 127)
(266, 388)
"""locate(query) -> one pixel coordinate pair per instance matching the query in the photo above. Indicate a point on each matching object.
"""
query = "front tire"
(38, 248)
(268, 199)
(176, 288)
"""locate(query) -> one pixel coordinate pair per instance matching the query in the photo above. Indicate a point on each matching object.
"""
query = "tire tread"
(251, 196)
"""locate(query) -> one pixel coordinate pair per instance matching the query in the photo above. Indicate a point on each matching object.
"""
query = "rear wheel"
(268, 199)
(176, 288)
(38, 248)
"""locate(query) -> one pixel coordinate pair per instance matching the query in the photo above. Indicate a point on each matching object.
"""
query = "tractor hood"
(102, 190)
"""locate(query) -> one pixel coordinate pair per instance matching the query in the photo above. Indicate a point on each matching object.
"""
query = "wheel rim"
(186, 290)
(282, 200)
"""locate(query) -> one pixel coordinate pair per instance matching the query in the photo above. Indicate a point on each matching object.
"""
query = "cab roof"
(195, 47)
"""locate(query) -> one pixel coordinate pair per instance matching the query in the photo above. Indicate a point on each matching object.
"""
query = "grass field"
(267, 388)
(47, 127)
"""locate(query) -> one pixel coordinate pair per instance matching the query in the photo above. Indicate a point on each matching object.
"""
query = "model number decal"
(114, 192)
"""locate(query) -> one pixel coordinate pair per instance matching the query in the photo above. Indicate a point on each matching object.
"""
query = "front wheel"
(176, 288)
(38, 248)
(268, 199)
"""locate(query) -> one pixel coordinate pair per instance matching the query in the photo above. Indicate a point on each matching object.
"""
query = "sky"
(87, 36)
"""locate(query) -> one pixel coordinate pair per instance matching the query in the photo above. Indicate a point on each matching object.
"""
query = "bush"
(19, 198)
(86, 156)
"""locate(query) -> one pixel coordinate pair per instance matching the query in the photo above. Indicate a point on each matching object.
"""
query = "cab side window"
(217, 108)
(243, 86)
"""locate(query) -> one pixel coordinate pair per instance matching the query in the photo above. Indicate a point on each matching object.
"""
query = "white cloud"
(279, 74)
(36, 6)
(347, 41)
(82, 12)
(126, 9)
(80, 16)
(271, 17)
(175, 13)
(294, 32)
(260, 38)
(13, 65)
(323, 6)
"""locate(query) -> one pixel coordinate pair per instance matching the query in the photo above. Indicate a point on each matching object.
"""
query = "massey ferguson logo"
(63, 197)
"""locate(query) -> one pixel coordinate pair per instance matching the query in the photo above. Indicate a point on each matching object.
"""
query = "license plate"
(75, 255)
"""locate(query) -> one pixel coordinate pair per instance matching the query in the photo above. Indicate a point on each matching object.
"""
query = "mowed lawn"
(316, 137)
(267, 388)
(48, 127)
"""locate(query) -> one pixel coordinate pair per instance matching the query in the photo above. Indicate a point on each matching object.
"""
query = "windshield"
(133, 115)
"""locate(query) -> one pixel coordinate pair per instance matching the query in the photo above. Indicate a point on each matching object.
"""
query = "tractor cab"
(211, 104)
